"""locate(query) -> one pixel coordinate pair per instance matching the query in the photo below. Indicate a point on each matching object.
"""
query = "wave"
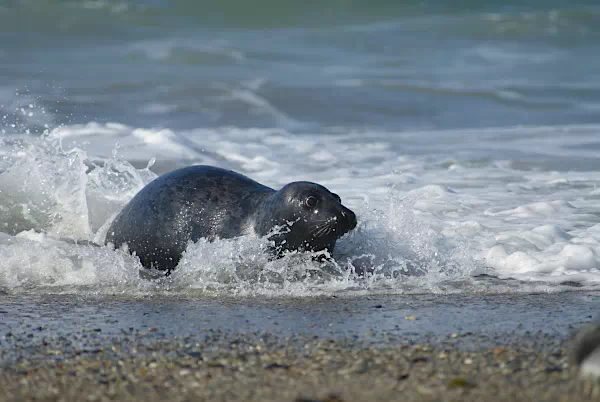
(424, 227)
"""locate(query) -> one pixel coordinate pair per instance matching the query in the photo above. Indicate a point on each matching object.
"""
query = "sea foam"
(426, 225)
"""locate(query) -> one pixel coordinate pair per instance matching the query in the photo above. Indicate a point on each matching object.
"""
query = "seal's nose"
(352, 220)
(349, 219)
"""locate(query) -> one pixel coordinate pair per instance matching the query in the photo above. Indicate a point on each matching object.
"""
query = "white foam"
(428, 222)
(113, 139)
(33, 260)
(541, 208)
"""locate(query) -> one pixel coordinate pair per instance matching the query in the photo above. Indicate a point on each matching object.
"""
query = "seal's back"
(186, 204)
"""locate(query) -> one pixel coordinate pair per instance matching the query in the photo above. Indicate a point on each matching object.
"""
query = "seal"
(209, 202)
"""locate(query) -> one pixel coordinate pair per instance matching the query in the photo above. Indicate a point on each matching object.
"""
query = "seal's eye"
(311, 201)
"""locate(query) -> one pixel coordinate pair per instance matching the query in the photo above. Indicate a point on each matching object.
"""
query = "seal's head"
(308, 217)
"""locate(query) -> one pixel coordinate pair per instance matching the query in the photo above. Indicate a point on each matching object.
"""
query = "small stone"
(454, 335)
(423, 390)
(468, 361)
(276, 366)
(459, 382)
(410, 317)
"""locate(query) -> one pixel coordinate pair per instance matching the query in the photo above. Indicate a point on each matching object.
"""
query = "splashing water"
(413, 236)
(54, 202)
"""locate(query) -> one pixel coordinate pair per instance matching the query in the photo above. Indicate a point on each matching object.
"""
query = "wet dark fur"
(208, 202)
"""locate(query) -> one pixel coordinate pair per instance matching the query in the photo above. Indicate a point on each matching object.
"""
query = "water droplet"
(115, 150)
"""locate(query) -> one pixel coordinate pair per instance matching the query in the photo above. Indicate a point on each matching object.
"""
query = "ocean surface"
(464, 134)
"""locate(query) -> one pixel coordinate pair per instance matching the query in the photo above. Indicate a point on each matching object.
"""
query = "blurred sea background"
(465, 134)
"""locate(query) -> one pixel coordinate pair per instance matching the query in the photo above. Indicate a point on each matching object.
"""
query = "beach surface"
(375, 348)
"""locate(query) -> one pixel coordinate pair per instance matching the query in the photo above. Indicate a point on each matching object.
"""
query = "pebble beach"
(385, 348)
(260, 367)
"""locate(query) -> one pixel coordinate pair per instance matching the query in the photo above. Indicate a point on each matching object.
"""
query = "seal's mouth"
(345, 221)
(336, 226)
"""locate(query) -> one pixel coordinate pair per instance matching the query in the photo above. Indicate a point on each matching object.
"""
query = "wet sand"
(383, 348)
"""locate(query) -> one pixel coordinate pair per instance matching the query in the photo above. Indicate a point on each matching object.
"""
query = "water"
(464, 136)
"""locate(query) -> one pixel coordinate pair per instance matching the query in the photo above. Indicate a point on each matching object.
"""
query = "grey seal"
(199, 201)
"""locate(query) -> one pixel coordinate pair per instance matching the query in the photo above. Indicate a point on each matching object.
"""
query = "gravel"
(260, 366)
